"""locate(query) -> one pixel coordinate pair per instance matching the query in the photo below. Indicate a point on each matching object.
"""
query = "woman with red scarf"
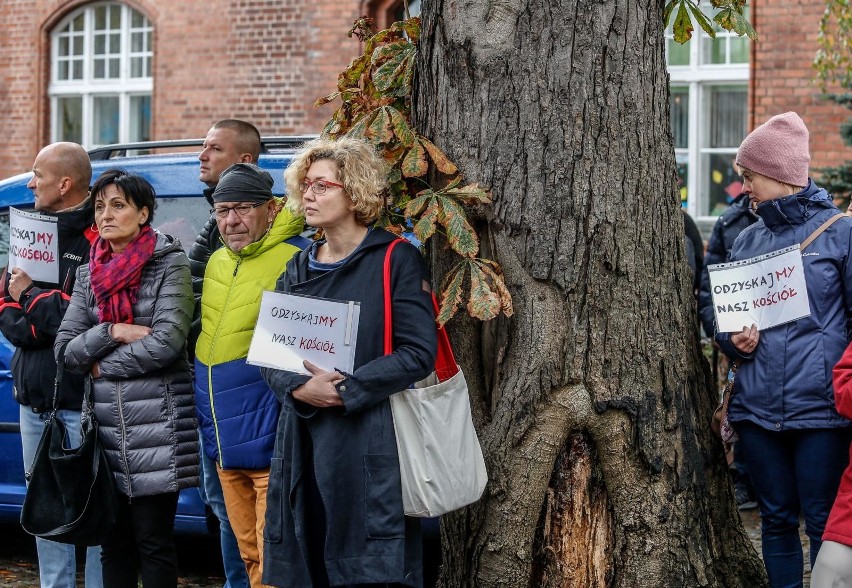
(126, 326)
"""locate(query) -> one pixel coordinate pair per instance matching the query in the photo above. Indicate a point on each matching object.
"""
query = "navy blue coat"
(786, 383)
(347, 457)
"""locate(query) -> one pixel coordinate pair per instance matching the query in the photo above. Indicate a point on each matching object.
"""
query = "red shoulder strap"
(388, 304)
(445, 361)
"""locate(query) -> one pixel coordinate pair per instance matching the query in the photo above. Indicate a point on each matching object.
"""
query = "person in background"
(694, 248)
(30, 314)
(334, 507)
(126, 328)
(833, 567)
(795, 443)
(728, 226)
(237, 411)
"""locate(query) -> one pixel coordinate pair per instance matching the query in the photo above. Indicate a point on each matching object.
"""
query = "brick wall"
(265, 61)
(783, 76)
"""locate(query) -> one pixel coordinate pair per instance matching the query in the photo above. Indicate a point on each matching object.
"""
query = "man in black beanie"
(237, 412)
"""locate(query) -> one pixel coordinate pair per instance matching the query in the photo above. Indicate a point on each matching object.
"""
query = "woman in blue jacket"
(796, 444)
(334, 512)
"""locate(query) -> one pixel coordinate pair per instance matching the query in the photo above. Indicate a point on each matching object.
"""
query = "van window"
(4, 239)
(182, 218)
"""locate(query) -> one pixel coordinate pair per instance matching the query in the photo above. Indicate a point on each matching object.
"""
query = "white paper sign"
(767, 290)
(33, 245)
(293, 328)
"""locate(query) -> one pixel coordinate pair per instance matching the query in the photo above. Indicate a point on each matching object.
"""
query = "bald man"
(30, 314)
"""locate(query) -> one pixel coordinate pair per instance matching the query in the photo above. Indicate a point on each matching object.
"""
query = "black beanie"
(244, 182)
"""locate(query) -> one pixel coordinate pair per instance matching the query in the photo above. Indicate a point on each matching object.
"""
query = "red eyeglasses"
(318, 186)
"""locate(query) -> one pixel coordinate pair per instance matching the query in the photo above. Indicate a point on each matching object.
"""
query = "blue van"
(172, 167)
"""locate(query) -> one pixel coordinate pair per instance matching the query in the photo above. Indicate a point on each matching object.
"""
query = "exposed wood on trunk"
(575, 534)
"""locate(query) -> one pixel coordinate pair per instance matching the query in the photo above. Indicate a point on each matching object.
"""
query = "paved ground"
(200, 568)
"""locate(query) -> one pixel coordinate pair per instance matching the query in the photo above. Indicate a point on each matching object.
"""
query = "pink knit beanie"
(778, 149)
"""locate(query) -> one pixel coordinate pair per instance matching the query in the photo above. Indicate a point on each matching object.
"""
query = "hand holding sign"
(320, 390)
(18, 282)
(746, 341)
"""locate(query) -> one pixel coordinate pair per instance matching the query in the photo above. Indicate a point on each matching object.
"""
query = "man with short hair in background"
(30, 314)
(227, 142)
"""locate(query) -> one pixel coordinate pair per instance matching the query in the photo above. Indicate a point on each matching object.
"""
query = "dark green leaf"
(452, 293)
(394, 175)
(667, 12)
(415, 205)
(702, 20)
(460, 235)
(414, 163)
(380, 128)
(425, 227)
(401, 128)
(682, 25)
(360, 128)
(396, 70)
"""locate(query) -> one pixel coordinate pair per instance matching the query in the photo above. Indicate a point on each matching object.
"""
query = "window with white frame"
(709, 116)
(100, 83)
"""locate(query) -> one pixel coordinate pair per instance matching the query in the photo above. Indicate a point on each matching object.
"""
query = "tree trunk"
(593, 401)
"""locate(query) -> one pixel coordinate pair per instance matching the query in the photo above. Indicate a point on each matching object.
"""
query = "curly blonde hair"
(363, 173)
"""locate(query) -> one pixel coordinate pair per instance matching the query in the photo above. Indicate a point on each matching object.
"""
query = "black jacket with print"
(31, 323)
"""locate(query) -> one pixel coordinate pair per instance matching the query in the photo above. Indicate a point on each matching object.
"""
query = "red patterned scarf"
(116, 278)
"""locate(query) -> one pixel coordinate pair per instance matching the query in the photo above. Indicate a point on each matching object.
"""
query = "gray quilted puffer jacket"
(143, 401)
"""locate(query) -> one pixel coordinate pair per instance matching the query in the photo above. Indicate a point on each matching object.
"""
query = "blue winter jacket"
(786, 382)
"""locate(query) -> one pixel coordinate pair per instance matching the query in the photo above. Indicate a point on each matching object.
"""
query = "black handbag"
(71, 493)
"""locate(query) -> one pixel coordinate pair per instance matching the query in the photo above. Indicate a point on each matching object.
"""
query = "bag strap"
(820, 230)
(88, 401)
(445, 360)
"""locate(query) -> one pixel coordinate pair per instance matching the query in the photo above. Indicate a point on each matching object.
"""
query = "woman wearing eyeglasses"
(334, 508)
(126, 326)
(237, 412)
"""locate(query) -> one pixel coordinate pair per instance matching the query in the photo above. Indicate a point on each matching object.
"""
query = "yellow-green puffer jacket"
(237, 412)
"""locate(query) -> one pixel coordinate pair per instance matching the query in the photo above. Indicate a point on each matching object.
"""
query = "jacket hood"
(73, 221)
(795, 209)
(285, 226)
(165, 244)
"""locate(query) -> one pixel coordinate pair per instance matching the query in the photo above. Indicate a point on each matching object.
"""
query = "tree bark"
(593, 401)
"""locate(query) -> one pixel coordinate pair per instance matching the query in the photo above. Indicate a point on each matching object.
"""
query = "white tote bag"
(440, 460)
